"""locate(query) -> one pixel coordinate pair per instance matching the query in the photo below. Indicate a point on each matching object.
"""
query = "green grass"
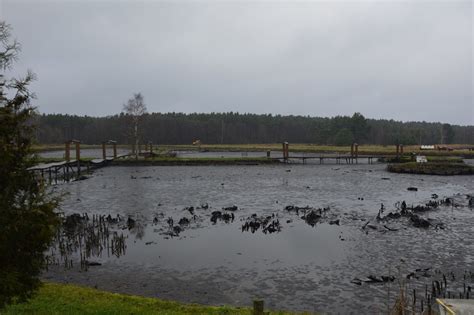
(40, 159)
(432, 168)
(61, 147)
(294, 147)
(432, 159)
(194, 161)
(54, 298)
(315, 148)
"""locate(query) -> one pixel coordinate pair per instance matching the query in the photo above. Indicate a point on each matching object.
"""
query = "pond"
(302, 237)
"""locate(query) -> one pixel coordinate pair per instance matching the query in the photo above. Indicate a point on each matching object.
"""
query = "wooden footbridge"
(341, 158)
(70, 169)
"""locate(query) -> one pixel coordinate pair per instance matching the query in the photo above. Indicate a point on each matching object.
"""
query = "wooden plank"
(44, 166)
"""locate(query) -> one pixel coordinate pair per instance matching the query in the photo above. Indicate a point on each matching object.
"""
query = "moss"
(432, 168)
(54, 298)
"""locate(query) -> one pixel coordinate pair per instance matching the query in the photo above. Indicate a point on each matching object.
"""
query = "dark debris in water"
(312, 216)
(222, 216)
(267, 224)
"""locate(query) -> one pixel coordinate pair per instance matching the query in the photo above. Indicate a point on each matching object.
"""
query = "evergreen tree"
(27, 218)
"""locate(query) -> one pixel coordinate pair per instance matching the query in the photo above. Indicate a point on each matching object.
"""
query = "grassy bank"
(61, 147)
(294, 147)
(432, 159)
(55, 298)
(432, 168)
(315, 148)
(165, 161)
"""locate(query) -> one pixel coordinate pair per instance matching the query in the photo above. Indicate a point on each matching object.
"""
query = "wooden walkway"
(337, 158)
(69, 170)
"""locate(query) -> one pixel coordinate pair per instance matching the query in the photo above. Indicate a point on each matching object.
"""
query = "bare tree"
(135, 108)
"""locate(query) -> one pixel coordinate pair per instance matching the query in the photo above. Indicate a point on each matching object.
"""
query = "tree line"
(235, 128)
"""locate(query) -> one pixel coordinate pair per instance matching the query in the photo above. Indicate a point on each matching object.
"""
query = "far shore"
(457, 149)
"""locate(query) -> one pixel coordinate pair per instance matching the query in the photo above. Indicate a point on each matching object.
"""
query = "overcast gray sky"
(403, 60)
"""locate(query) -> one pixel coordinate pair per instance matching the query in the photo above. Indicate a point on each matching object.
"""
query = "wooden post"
(115, 149)
(356, 147)
(78, 157)
(258, 307)
(284, 148)
(67, 153)
(287, 146)
(352, 149)
(268, 153)
(398, 151)
(104, 154)
(401, 149)
(78, 151)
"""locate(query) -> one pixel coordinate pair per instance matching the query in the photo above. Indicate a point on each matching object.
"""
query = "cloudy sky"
(403, 60)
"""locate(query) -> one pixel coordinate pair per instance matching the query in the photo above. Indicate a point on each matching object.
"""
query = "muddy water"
(299, 267)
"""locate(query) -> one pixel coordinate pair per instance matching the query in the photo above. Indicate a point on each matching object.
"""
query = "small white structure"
(427, 147)
(421, 159)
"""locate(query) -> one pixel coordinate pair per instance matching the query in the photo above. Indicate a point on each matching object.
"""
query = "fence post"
(104, 154)
(67, 153)
(258, 307)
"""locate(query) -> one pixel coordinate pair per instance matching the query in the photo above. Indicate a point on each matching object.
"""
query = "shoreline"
(294, 148)
(432, 168)
(60, 298)
(195, 161)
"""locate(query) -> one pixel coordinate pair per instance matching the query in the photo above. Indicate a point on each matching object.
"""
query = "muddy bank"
(432, 168)
(195, 161)
(298, 236)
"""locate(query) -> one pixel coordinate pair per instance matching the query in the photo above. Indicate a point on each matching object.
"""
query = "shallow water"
(301, 267)
(85, 153)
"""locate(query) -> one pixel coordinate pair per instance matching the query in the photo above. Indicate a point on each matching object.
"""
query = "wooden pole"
(352, 149)
(104, 154)
(258, 307)
(151, 148)
(284, 155)
(401, 149)
(115, 150)
(78, 151)
(78, 157)
(67, 153)
(398, 151)
(287, 150)
(356, 151)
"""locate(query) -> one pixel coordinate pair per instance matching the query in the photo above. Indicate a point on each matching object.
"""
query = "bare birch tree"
(135, 108)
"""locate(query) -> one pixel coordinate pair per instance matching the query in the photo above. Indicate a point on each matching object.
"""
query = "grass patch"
(432, 168)
(315, 148)
(54, 298)
(432, 159)
(39, 159)
(195, 161)
(294, 147)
